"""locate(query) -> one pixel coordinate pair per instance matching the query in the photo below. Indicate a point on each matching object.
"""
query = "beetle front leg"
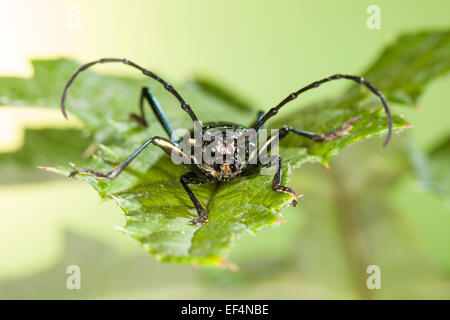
(146, 94)
(164, 144)
(277, 186)
(140, 118)
(114, 173)
(191, 178)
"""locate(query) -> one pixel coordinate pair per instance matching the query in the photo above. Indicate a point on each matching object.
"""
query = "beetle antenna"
(184, 105)
(272, 112)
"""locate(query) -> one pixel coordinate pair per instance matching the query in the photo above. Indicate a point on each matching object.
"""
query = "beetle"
(209, 171)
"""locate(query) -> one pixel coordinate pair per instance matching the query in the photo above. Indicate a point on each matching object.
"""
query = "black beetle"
(202, 171)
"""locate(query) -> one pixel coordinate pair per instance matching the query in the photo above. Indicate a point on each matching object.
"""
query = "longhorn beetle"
(203, 172)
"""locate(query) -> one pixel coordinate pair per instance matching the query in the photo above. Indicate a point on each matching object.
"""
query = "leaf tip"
(50, 169)
(407, 126)
(228, 265)
(279, 221)
(121, 229)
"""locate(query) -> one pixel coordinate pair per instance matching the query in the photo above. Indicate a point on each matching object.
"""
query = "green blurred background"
(370, 208)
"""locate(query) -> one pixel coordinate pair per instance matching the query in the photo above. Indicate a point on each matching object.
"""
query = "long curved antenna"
(184, 105)
(316, 84)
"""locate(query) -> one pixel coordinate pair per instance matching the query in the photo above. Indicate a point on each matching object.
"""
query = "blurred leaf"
(47, 147)
(41, 147)
(215, 88)
(438, 160)
(404, 68)
(431, 169)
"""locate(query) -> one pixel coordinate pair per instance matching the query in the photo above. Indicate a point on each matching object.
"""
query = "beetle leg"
(157, 110)
(164, 144)
(192, 178)
(140, 119)
(320, 137)
(277, 186)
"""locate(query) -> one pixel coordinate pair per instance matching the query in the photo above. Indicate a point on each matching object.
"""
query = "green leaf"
(47, 147)
(431, 169)
(408, 65)
(43, 147)
(157, 210)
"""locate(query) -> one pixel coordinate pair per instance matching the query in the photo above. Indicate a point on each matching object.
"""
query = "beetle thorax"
(224, 153)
